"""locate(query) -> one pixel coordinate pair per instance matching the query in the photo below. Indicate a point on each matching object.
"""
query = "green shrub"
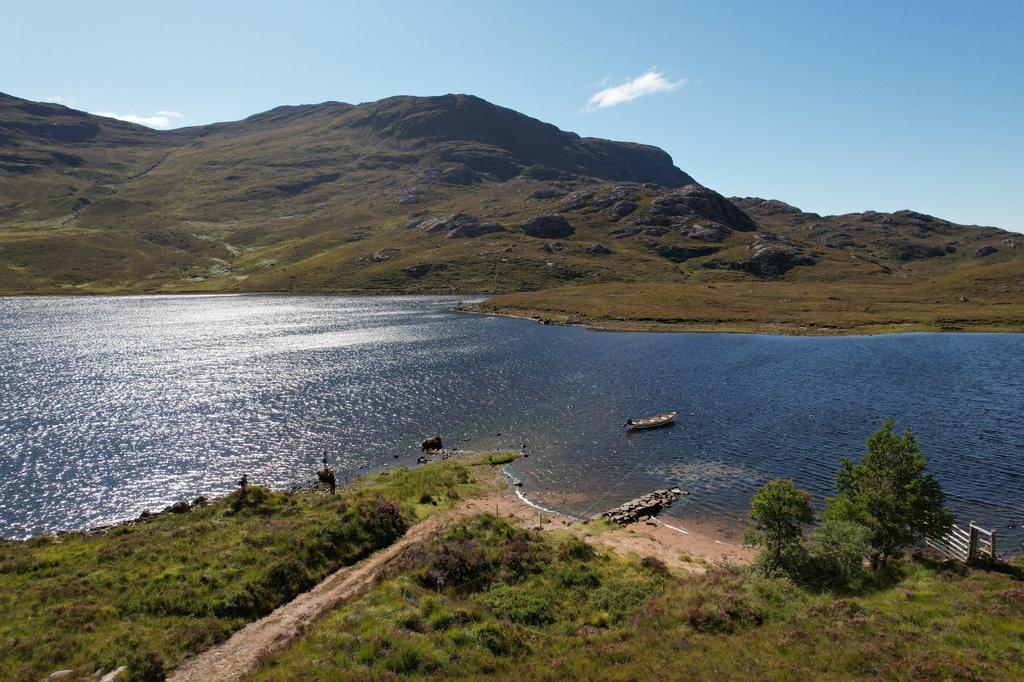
(656, 566)
(836, 552)
(577, 549)
(147, 667)
(520, 605)
(496, 640)
(620, 597)
(578, 575)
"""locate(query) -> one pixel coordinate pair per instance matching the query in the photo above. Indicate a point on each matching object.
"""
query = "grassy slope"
(782, 307)
(177, 583)
(559, 615)
(301, 199)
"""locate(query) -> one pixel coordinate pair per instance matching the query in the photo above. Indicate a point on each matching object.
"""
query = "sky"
(831, 106)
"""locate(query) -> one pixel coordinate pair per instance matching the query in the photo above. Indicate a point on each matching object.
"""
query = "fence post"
(972, 543)
(995, 557)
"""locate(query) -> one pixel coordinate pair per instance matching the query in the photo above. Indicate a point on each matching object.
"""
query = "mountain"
(409, 194)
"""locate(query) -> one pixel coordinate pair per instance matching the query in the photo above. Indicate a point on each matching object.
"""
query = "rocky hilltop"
(409, 194)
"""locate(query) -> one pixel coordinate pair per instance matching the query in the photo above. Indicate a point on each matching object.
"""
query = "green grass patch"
(175, 584)
(487, 599)
(498, 458)
(423, 490)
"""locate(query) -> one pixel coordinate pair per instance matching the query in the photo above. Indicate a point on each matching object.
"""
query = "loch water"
(113, 405)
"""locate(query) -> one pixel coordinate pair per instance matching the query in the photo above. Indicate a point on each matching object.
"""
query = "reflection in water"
(109, 406)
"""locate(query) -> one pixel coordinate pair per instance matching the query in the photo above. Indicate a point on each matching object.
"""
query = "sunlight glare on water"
(113, 405)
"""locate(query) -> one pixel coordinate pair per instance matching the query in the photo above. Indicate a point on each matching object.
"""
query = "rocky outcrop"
(417, 271)
(473, 230)
(706, 233)
(642, 508)
(693, 203)
(986, 250)
(547, 226)
(451, 174)
(619, 199)
(678, 254)
(621, 209)
(547, 193)
(445, 223)
(384, 255)
(908, 250)
(770, 256)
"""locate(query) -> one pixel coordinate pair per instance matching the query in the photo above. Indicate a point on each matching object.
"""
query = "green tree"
(778, 510)
(890, 493)
(836, 552)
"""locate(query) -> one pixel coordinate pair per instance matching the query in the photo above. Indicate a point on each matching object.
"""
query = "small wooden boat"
(650, 422)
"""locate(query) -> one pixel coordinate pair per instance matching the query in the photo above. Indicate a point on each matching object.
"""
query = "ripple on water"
(112, 405)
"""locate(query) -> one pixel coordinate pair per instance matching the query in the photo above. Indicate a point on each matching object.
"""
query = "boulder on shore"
(432, 443)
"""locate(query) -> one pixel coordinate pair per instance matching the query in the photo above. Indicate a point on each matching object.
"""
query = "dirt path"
(236, 656)
(239, 654)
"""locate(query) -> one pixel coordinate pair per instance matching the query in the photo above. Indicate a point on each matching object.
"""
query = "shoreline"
(566, 319)
(546, 318)
(670, 538)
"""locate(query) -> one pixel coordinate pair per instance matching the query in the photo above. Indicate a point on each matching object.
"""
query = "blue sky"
(831, 106)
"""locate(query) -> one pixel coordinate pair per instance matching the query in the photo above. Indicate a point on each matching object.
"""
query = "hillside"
(435, 194)
(406, 575)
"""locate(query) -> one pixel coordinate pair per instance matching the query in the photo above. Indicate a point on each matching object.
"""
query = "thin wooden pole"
(972, 543)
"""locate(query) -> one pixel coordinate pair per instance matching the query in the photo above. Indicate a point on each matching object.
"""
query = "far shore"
(562, 319)
(774, 307)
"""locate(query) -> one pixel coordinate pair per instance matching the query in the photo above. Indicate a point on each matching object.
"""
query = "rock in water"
(642, 508)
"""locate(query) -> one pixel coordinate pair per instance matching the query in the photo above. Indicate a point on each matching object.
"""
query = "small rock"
(600, 250)
(179, 507)
(623, 209)
(986, 250)
(120, 673)
(200, 501)
(418, 270)
(60, 675)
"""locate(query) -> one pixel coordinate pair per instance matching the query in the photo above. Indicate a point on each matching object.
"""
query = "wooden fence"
(967, 545)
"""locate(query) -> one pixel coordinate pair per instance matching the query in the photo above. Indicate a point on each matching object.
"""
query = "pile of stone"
(643, 508)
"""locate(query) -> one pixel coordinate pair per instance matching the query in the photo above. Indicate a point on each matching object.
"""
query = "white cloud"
(649, 83)
(161, 119)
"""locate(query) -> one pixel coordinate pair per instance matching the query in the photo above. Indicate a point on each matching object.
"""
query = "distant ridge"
(410, 194)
